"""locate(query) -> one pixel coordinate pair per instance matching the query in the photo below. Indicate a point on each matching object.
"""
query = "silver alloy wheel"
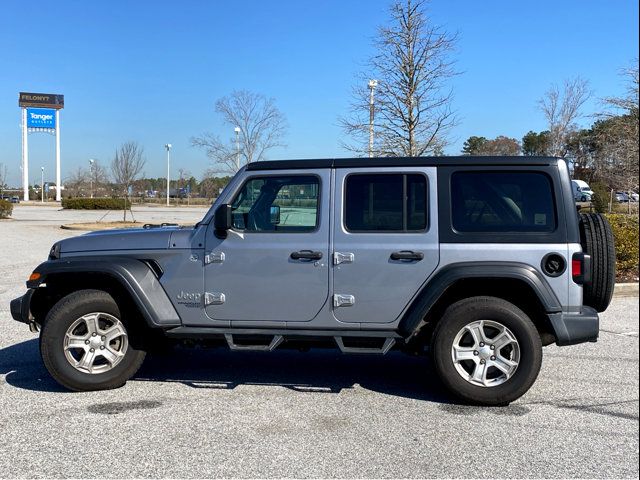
(95, 343)
(485, 353)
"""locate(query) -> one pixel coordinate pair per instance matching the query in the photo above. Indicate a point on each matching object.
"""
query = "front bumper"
(20, 307)
(576, 327)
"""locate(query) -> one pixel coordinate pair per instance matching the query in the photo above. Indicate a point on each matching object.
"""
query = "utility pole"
(42, 186)
(168, 147)
(237, 130)
(372, 85)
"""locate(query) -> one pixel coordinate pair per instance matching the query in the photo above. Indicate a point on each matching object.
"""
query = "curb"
(625, 290)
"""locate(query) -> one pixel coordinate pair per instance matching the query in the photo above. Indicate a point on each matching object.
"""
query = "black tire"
(583, 198)
(597, 241)
(60, 318)
(464, 312)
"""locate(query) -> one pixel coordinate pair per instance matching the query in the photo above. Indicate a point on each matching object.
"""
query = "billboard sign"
(49, 100)
(41, 118)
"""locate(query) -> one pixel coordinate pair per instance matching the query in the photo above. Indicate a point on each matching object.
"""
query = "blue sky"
(150, 71)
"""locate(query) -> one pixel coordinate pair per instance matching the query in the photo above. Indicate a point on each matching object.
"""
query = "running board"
(266, 340)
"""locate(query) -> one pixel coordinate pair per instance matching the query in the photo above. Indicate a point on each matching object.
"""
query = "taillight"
(581, 268)
(576, 268)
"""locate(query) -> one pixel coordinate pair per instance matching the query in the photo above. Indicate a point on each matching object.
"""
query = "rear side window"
(386, 203)
(502, 202)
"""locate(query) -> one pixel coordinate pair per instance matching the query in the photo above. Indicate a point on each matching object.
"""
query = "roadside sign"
(41, 118)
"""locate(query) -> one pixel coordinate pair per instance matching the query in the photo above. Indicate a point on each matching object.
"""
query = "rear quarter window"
(497, 202)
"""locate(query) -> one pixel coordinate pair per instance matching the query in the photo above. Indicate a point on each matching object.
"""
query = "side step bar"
(386, 346)
(353, 341)
(277, 340)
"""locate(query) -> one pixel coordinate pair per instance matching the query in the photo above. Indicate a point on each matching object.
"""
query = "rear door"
(385, 241)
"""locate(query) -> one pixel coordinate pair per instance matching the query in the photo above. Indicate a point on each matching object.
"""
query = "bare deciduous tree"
(261, 125)
(4, 173)
(126, 167)
(412, 100)
(99, 178)
(77, 182)
(616, 163)
(561, 110)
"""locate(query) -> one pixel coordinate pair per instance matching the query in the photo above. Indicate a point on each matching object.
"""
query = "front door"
(385, 241)
(273, 264)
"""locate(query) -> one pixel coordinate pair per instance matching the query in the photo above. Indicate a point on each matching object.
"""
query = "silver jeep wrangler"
(477, 262)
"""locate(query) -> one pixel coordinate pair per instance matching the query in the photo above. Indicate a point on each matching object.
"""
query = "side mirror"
(223, 219)
(274, 215)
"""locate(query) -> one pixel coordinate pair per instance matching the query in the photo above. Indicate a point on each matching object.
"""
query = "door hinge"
(343, 300)
(213, 298)
(214, 257)
(339, 258)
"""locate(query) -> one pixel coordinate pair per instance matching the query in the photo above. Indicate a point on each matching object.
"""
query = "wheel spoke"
(504, 365)
(86, 362)
(502, 340)
(113, 332)
(477, 332)
(75, 341)
(91, 321)
(110, 355)
(480, 373)
(463, 353)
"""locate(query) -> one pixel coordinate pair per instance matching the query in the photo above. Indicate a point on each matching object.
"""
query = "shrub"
(94, 203)
(625, 232)
(601, 197)
(6, 209)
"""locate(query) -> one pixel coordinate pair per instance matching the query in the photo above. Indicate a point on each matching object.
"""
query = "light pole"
(372, 85)
(168, 147)
(42, 185)
(237, 130)
(91, 160)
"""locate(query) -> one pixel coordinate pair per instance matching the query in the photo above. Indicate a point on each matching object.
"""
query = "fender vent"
(155, 267)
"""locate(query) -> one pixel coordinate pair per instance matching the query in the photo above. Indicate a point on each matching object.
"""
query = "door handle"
(407, 255)
(306, 255)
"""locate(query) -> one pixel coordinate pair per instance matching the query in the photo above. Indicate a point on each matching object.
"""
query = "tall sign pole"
(25, 156)
(40, 113)
(58, 179)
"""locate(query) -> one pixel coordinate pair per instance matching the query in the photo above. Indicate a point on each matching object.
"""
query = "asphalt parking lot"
(210, 413)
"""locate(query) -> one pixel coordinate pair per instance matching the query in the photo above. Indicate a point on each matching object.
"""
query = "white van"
(581, 191)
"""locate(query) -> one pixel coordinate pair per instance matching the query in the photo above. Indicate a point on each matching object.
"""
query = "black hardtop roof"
(402, 162)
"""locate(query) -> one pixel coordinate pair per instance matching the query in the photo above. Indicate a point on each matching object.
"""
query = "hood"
(125, 239)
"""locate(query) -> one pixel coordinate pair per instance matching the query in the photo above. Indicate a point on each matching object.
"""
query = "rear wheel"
(486, 351)
(597, 241)
(86, 344)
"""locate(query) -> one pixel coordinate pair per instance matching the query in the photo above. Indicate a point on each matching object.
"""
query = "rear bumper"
(576, 327)
(20, 307)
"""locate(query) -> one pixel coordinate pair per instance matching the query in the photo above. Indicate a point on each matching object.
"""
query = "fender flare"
(433, 290)
(135, 276)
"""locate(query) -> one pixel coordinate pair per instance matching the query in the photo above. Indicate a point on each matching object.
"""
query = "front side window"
(502, 202)
(277, 204)
(386, 203)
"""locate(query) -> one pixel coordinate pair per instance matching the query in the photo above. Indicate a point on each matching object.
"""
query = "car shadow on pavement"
(316, 371)
(23, 368)
(319, 371)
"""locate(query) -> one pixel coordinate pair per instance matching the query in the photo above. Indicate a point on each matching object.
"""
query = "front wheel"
(486, 351)
(86, 345)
